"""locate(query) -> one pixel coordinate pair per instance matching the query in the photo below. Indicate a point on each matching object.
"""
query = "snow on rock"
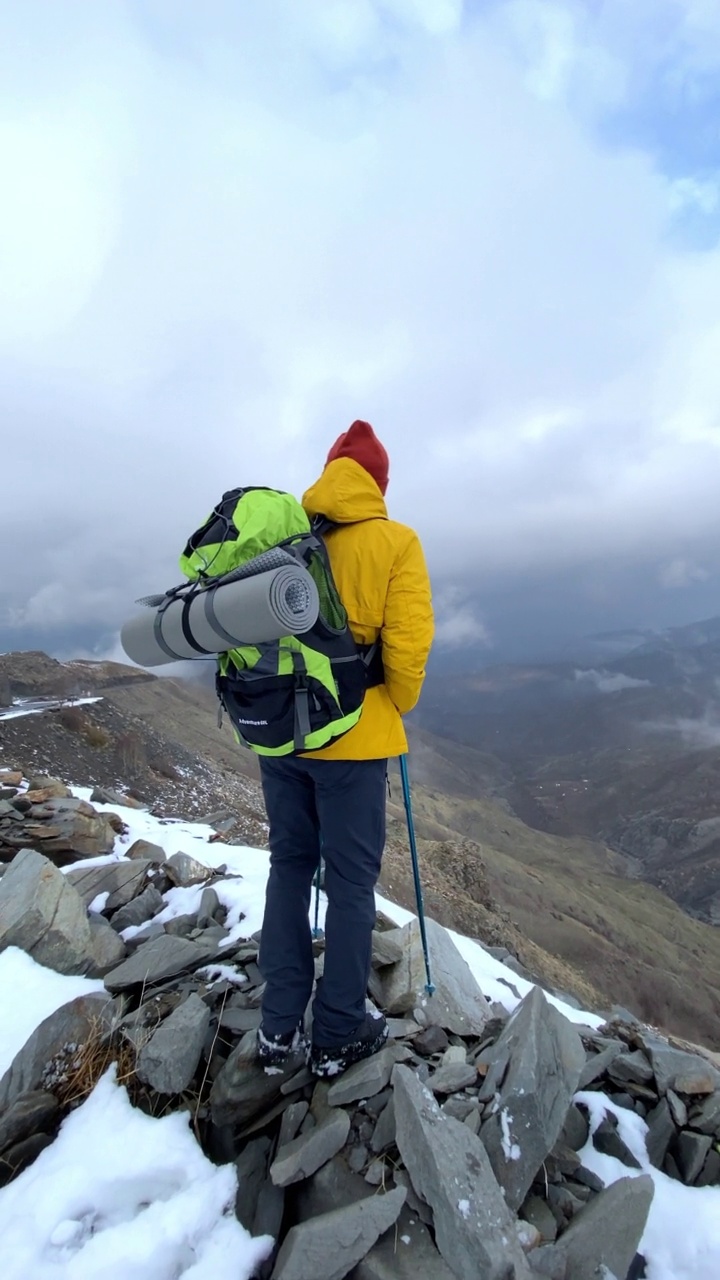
(682, 1235)
(29, 993)
(121, 1194)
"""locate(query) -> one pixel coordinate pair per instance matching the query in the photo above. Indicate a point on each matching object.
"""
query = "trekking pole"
(429, 985)
(316, 927)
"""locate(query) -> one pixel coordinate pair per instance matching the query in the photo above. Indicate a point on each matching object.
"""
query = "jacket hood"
(345, 493)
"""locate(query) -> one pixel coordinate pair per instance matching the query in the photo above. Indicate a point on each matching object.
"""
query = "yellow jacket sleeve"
(407, 629)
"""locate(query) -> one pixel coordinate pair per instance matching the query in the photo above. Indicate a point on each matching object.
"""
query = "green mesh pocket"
(332, 610)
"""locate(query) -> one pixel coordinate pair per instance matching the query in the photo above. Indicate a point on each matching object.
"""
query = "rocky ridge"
(452, 1153)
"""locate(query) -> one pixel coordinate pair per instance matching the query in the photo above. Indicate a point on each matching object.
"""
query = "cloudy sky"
(490, 227)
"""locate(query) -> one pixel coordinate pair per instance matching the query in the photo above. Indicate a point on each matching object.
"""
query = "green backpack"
(299, 693)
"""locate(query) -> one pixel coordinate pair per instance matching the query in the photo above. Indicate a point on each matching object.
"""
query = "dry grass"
(76, 721)
(73, 1073)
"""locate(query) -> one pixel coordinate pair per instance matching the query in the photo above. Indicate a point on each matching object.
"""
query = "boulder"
(603, 1238)
(138, 911)
(146, 849)
(252, 1167)
(73, 1023)
(450, 1170)
(678, 1070)
(169, 1060)
(66, 829)
(452, 1077)
(706, 1119)
(108, 948)
(242, 1089)
(692, 1151)
(32, 1112)
(405, 1253)
(161, 958)
(661, 1131)
(541, 1057)
(303, 1156)
(185, 871)
(457, 1005)
(53, 786)
(106, 795)
(121, 881)
(329, 1246)
(42, 914)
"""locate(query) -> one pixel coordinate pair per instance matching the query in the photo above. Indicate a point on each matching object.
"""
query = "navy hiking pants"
(337, 806)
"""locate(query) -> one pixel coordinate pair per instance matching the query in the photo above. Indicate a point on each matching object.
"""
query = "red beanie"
(361, 444)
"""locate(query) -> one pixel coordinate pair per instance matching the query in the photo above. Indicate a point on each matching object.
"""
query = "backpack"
(299, 693)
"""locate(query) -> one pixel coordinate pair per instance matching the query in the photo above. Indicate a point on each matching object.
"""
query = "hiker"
(333, 801)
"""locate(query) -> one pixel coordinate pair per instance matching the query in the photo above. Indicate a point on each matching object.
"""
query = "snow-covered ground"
(37, 706)
(120, 1193)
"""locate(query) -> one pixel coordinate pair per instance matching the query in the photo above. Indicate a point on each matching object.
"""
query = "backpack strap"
(302, 729)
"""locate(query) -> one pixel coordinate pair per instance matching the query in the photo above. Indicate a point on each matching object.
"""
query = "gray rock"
(710, 1176)
(576, 1129)
(536, 1212)
(334, 1187)
(691, 1153)
(293, 1117)
(328, 1247)
(607, 1232)
(675, 1069)
(402, 1028)
(365, 1079)
(545, 1057)
(678, 1109)
(458, 1107)
(548, 1261)
(20, 1156)
(168, 1062)
(458, 1004)
(453, 1077)
(631, 1068)
(139, 910)
(706, 1119)
(376, 1172)
(252, 1167)
(242, 1089)
(72, 1024)
(150, 852)
(121, 881)
(108, 948)
(357, 1158)
(209, 904)
(42, 914)
(385, 949)
(270, 1211)
(184, 870)
(661, 1131)
(405, 1253)
(607, 1140)
(302, 1157)
(431, 1040)
(30, 1113)
(107, 795)
(384, 1135)
(162, 958)
(449, 1168)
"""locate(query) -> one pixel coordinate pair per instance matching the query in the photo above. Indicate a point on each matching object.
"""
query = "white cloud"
(610, 681)
(679, 573)
(457, 624)
(232, 229)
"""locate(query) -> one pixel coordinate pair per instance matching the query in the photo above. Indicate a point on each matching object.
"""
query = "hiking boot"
(329, 1060)
(275, 1050)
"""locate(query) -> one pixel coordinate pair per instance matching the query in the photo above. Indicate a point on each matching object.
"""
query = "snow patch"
(511, 1150)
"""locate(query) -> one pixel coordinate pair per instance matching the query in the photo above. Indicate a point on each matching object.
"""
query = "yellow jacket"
(380, 572)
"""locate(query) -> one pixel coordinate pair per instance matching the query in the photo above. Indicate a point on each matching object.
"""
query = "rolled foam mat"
(253, 610)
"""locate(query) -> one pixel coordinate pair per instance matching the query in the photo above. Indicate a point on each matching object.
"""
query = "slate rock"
(706, 1118)
(30, 1113)
(631, 1068)
(544, 1056)
(243, 1090)
(385, 949)
(710, 1176)
(139, 910)
(691, 1153)
(162, 958)
(549, 1262)
(72, 1024)
(607, 1232)
(458, 1004)
(293, 1117)
(107, 795)
(405, 1253)
(148, 851)
(535, 1211)
(121, 881)
(677, 1070)
(576, 1129)
(453, 1077)
(42, 914)
(20, 1156)
(607, 1140)
(252, 1167)
(367, 1078)
(334, 1186)
(108, 948)
(384, 1135)
(678, 1109)
(450, 1170)
(169, 1060)
(329, 1246)
(430, 1041)
(661, 1131)
(303, 1156)
(184, 870)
